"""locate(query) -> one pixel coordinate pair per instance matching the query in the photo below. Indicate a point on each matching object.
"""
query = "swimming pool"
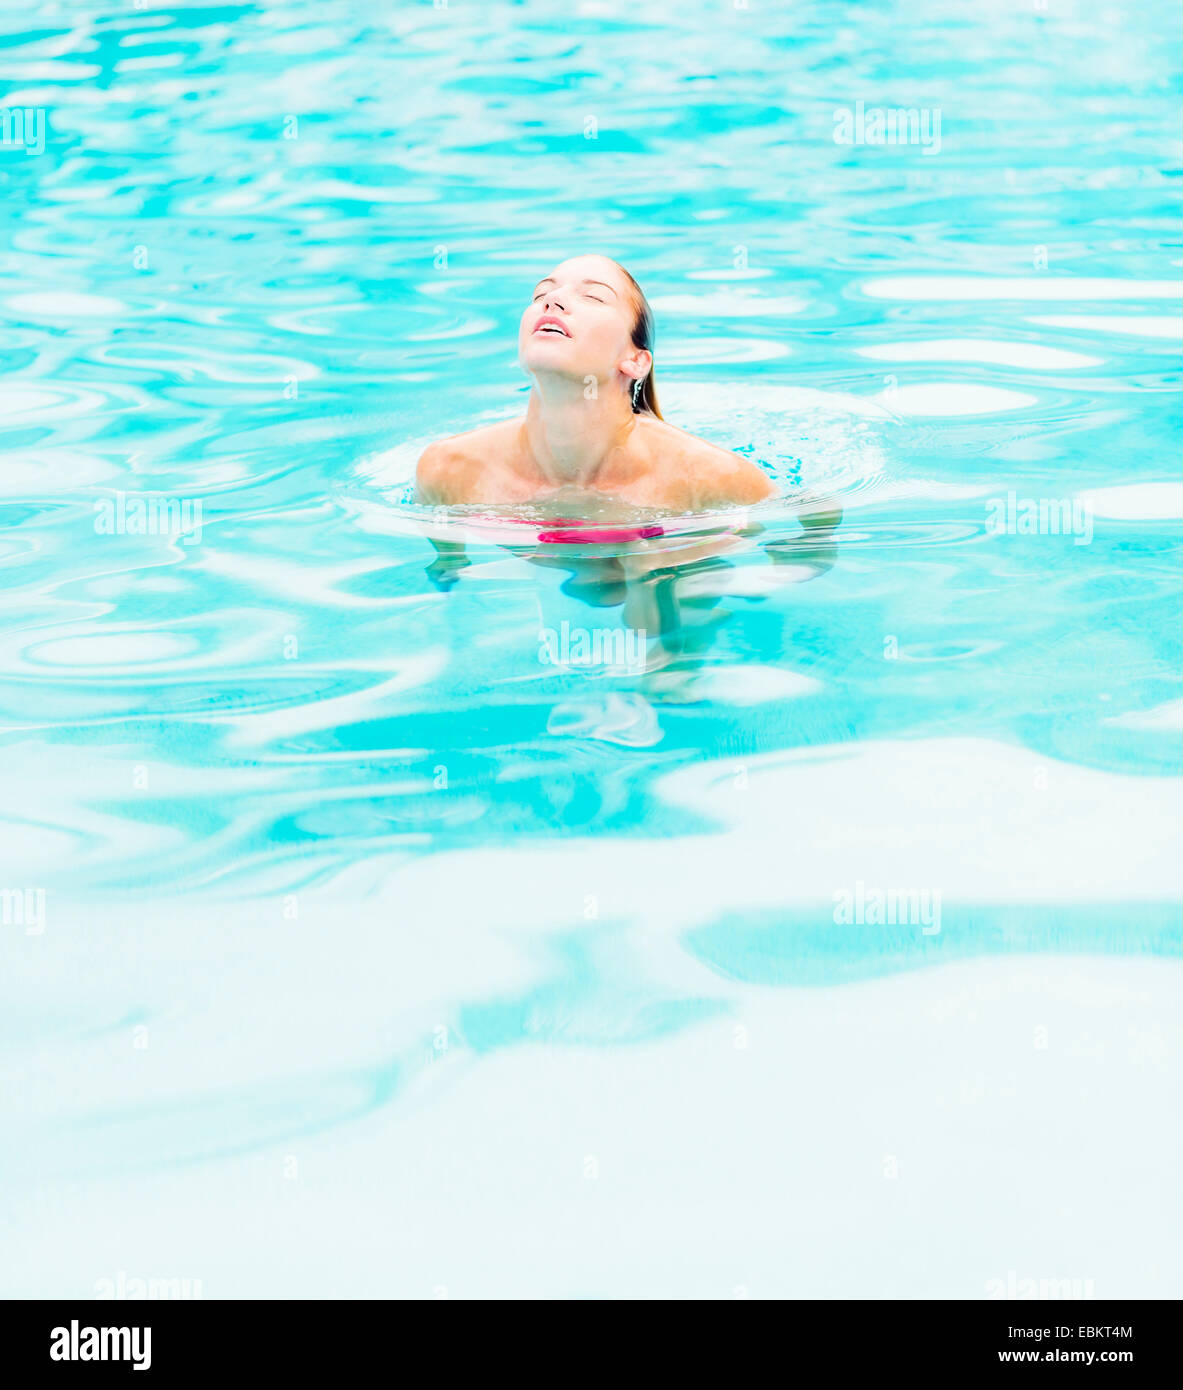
(794, 916)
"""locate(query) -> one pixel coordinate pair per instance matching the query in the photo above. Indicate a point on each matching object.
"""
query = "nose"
(554, 299)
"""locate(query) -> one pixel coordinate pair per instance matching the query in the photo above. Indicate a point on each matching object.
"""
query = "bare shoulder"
(450, 470)
(716, 476)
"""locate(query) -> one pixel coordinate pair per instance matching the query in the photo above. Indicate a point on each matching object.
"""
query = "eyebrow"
(550, 280)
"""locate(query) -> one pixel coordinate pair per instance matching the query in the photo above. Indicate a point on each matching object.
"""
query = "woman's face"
(580, 323)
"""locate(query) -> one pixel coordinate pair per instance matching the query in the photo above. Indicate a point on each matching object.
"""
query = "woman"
(592, 432)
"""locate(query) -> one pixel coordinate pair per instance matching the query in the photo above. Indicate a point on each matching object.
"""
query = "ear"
(638, 364)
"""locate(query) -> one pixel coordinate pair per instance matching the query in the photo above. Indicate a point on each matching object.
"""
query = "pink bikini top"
(565, 530)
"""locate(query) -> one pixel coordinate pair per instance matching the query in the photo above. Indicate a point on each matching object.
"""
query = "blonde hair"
(643, 335)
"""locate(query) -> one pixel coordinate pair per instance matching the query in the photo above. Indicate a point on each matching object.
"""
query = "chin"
(547, 355)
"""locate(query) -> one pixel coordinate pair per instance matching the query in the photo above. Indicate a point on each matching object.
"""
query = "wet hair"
(643, 334)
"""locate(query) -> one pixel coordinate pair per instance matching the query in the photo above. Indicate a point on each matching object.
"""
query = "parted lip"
(554, 322)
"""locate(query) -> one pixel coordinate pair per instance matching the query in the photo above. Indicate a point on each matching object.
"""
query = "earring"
(636, 391)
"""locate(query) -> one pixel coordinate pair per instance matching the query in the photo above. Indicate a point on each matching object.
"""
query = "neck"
(570, 437)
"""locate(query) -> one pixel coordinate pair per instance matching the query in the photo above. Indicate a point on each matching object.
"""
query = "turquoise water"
(354, 946)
